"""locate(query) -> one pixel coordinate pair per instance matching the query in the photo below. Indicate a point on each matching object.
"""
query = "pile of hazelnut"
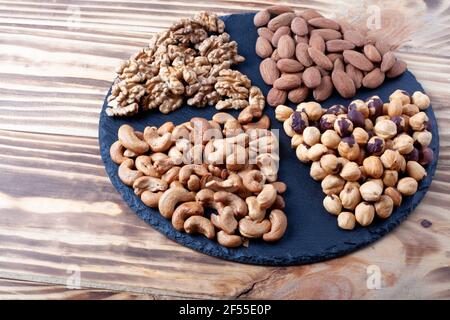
(368, 155)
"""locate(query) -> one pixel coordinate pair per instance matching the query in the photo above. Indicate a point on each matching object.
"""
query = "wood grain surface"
(60, 216)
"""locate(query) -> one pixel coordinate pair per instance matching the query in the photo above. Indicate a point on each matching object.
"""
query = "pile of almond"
(304, 52)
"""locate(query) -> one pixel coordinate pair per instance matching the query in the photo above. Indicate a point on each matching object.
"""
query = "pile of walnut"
(182, 62)
(226, 164)
(367, 155)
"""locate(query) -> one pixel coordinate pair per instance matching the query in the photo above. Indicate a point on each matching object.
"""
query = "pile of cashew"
(226, 164)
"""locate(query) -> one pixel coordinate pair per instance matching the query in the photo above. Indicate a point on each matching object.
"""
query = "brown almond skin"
(355, 74)
(339, 45)
(320, 59)
(275, 56)
(276, 97)
(373, 79)
(283, 19)
(324, 90)
(301, 53)
(388, 61)
(299, 26)
(261, 18)
(288, 82)
(327, 34)
(382, 46)
(298, 95)
(286, 47)
(299, 39)
(269, 71)
(279, 9)
(334, 56)
(339, 65)
(309, 14)
(278, 34)
(343, 83)
(358, 60)
(263, 47)
(311, 77)
(317, 42)
(289, 65)
(398, 69)
(265, 33)
(372, 53)
(355, 37)
(324, 23)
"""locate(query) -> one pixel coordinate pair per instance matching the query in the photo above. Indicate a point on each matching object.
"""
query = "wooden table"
(61, 218)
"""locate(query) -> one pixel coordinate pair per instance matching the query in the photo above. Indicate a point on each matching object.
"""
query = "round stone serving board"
(312, 234)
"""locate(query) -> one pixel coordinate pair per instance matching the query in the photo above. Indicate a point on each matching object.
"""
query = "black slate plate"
(312, 233)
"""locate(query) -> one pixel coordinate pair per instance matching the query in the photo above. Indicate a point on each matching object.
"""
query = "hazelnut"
(312, 109)
(375, 146)
(419, 121)
(368, 125)
(332, 204)
(316, 151)
(412, 156)
(330, 163)
(297, 140)
(343, 127)
(330, 139)
(356, 117)
(350, 171)
(407, 186)
(317, 172)
(395, 108)
(299, 121)
(426, 156)
(287, 126)
(361, 136)
(380, 118)
(400, 122)
(375, 105)
(362, 156)
(392, 159)
(390, 178)
(360, 106)
(403, 144)
(384, 207)
(311, 135)
(371, 190)
(415, 170)
(302, 153)
(327, 122)
(388, 144)
(385, 107)
(350, 196)
(423, 138)
(332, 184)
(364, 213)
(385, 129)
(421, 100)
(363, 176)
(410, 110)
(343, 161)
(282, 112)
(348, 148)
(373, 167)
(400, 94)
(394, 195)
(336, 109)
(346, 220)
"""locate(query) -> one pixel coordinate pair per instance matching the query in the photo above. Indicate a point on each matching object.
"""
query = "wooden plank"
(58, 210)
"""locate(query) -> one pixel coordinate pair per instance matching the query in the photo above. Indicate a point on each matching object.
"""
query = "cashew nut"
(150, 183)
(265, 144)
(280, 186)
(255, 212)
(171, 175)
(228, 240)
(144, 164)
(235, 202)
(193, 183)
(130, 140)
(166, 127)
(151, 199)
(176, 184)
(222, 117)
(163, 165)
(158, 156)
(129, 153)
(279, 203)
(215, 152)
(176, 155)
(205, 197)
(268, 164)
(126, 173)
(263, 123)
(232, 128)
(170, 198)
(225, 220)
(232, 184)
(180, 132)
(116, 152)
(184, 211)
(237, 159)
(190, 169)
(253, 180)
(199, 127)
(199, 224)
(278, 227)
(218, 172)
(194, 155)
(249, 113)
(156, 142)
(253, 229)
(267, 196)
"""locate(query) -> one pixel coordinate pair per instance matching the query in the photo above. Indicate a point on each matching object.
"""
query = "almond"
(355, 74)
(309, 14)
(301, 53)
(275, 56)
(263, 47)
(373, 79)
(327, 34)
(298, 95)
(311, 77)
(298, 39)
(324, 23)
(372, 53)
(279, 33)
(339, 45)
(261, 18)
(269, 71)
(397, 69)
(286, 47)
(338, 64)
(382, 46)
(276, 97)
(283, 19)
(299, 26)
(388, 61)
(358, 60)
(334, 56)
(320, 59)
(324, 90)
(279, 9)
(343, 83)
(287, 82)
(316, 41)
(265, 33)
(355, 37)
(289, 65)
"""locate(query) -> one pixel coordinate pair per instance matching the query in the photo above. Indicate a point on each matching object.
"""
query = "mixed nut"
(305, 52)
(367, 155)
